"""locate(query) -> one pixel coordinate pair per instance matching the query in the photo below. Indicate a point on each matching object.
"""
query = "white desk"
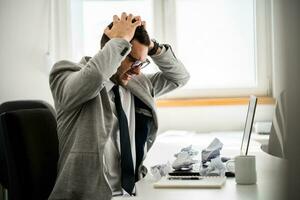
(270, 170)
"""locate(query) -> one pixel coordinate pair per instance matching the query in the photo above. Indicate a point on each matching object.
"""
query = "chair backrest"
(13, 106)
(29, 149)
(24, 104)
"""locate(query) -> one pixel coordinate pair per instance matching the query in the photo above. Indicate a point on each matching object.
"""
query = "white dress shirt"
(112, 150)
(112, 156)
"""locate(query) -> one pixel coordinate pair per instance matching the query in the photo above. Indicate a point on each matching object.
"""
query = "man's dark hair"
(140, 34)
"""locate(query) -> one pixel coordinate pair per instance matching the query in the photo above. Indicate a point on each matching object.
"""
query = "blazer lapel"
(143, 94)
(138, 90)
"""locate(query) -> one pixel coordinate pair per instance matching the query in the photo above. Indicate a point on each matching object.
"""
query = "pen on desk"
(184, 178)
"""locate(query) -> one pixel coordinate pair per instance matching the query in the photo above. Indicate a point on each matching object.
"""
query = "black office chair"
(28, 149)
(24, 104)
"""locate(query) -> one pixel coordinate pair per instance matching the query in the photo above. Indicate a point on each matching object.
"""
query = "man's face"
(124, 73)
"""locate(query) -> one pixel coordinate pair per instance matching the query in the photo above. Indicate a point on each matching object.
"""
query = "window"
(215, 40)
(223, 43)
(98, 14)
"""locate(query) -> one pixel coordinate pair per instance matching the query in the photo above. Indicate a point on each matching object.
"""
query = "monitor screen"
(248, 125)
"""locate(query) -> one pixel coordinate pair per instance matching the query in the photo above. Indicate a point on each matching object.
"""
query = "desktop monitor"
(248, 125)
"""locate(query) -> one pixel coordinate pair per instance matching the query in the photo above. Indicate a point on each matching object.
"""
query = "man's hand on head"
(151, 42)
(151, 46)
(124, 27)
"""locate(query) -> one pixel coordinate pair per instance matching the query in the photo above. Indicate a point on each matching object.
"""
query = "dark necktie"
(127, 176)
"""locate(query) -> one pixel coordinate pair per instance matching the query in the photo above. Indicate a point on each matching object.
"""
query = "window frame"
(262, 23)
(165, 32)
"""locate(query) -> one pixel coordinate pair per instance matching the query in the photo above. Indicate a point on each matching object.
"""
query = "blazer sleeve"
(172, 73)
(73, 84)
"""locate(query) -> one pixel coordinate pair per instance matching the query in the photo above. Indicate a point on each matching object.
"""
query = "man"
(106, 111)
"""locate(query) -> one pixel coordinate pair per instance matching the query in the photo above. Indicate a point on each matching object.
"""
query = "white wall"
(287, 48)
(279, 47)
(286, 73)
(23, 69)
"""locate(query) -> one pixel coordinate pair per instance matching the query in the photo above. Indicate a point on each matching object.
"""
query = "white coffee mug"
(245, 170)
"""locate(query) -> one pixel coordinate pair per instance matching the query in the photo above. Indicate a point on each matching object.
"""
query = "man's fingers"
(124, 26)
(115, 18)
(129, 18)
(144, 24)
(123, 16)
(137, 23)
(137, 18)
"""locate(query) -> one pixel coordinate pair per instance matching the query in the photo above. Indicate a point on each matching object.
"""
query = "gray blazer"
(84, 115)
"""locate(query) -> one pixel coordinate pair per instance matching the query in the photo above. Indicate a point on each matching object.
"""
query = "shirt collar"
(85, 60)
(109, 85)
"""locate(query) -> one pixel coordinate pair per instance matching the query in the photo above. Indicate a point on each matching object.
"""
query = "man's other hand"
(124, 27)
